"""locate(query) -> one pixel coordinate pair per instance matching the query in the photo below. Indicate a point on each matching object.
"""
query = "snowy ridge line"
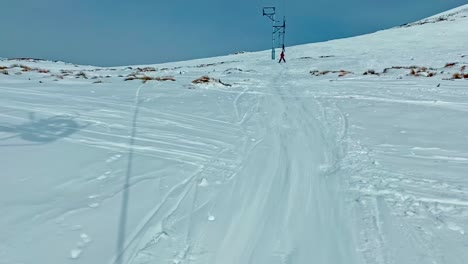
(453, 12)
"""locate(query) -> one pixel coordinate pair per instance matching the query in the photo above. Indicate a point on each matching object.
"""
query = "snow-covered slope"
(355, 151)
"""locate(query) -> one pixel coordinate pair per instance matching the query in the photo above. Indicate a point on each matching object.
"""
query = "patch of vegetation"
(370, 72)
(81, 75)
(341, 73)
(457, 75)
(146, 69)
(145, 78)
(422, 71)
(207, 80)
(26, 68)
(165, 78)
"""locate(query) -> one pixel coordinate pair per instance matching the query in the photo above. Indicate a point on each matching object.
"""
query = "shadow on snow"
(41, 131)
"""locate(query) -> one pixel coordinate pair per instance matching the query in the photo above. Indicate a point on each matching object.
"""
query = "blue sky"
(125, 32)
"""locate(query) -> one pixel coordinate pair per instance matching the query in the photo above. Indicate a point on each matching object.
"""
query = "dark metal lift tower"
(279, 30)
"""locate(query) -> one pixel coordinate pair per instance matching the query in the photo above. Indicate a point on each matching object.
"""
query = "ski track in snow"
(281, 168)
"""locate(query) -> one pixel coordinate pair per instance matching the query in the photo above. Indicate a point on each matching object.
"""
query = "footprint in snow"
(114, 158)
(75, 253)
(85, 239)
(103, 176)
(93, 205)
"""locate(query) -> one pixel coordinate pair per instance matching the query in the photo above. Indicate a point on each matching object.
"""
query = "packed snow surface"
(354, 151)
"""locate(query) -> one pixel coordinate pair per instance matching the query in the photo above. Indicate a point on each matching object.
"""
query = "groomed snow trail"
(282, 204)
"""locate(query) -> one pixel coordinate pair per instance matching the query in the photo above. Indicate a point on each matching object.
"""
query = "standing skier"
(282, 57)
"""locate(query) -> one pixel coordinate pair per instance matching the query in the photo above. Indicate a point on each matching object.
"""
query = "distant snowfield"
(306, 162)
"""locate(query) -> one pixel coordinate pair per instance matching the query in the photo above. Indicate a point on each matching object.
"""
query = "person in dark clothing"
(282, 57)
